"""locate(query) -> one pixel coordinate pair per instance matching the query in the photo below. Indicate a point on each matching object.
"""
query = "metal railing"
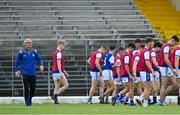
(76, 53)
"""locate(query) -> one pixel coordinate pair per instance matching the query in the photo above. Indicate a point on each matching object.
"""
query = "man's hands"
(41, 68)
(132, 77)
(175, 73)
(17, 73)
(101, 74)
(66, 74)
(153, 74)
(119, 78)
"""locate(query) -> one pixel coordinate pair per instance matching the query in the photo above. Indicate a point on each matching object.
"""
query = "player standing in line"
(108, 73)
(156, 68)
(96, 72)
(126, 73)
(167, 71)
(146, 70)
(137, 43)
(176, 64)
(116, 73)
(58, 72)
(136, 58)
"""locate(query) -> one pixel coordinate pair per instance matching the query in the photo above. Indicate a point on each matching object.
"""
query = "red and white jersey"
(116, 60)
(57, 55)
(175, 52)
(136, 57)
(126, 59)
(144, 56)
(95, 55)
(154, 55)
(165, 49)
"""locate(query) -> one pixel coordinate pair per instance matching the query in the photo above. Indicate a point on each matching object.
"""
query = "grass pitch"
(85, 109)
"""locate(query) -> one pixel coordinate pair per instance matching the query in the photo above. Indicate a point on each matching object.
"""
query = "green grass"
(86, 109)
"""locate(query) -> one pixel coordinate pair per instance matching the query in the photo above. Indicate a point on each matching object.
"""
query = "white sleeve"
(126, 59)
(177, 53)
(166, 50)
(118, 60)
(153, 54)
(135, 51)
(99, 55)
(137, 58)
(59, 56)
(111, 59)
(147, 55)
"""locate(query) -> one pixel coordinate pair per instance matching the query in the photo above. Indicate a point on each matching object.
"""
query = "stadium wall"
(65, 99)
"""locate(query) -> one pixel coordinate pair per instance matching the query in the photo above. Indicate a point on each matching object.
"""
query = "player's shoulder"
(165, 46)
(109, 54)
(35, 50)
(20, 51)
(136, 52)
(152, 51)
(59, 53)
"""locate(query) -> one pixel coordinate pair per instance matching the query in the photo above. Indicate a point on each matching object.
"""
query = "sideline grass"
(87, 109)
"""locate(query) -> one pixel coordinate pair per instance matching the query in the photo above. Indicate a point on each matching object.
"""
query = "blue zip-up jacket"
(27, 61)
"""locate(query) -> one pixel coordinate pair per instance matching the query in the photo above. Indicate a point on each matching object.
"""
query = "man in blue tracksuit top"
(26, 59)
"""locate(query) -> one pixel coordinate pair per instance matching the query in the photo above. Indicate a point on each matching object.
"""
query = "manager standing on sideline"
(26, 59)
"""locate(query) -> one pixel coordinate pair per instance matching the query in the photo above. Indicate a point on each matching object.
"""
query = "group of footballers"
(118, 72)
(124, 70)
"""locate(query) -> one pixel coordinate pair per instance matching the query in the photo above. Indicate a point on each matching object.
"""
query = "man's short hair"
(131, 45)
(112, 47)
(61, 42)
(142, 46)
(137, 41)
(104, 47)
(121, 49)
(148, 39)
(158, 44)
(26, 41)
(175, 38)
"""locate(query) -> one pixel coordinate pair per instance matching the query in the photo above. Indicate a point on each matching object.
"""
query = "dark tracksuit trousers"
(29, 86)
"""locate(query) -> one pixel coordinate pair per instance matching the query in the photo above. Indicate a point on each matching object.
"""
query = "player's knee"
(156, 89)
(112, 88)
(101, 85)
(175, 85)
(66, 86)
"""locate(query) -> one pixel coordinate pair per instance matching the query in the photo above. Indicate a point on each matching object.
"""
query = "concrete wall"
(66, 99)
(176, 3)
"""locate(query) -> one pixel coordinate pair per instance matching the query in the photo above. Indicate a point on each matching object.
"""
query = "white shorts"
(117, 82)
(138, 78)
(107, 74)
(166, 72)
(57, 76)
(95, 75)
(145, 76)
(125, 80)
(156, 78)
